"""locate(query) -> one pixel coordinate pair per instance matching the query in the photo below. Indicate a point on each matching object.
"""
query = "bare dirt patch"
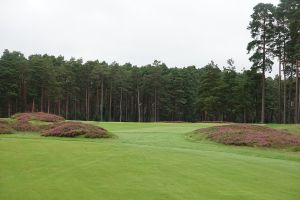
(73, 129)
(250, 135)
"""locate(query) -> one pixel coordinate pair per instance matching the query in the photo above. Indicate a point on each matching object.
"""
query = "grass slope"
(147, 161)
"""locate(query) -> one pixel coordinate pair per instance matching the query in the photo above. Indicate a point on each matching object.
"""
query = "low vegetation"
(250, 135)
(24, 121)
(73, 129)
(40, 116)
(5, 127)
(51, 125)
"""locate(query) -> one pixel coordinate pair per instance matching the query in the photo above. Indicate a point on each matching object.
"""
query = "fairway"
(153, 161)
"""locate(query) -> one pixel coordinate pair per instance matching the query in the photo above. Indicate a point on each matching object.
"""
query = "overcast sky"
(177, 32)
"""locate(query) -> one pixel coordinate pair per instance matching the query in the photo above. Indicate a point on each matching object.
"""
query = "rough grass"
(251, 135)
(73, 129)
(148, 161)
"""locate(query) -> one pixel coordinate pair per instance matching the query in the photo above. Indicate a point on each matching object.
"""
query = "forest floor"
(145, 161)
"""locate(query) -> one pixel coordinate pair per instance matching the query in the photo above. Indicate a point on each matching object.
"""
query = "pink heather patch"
(251, 135)
(41, 116)
(73, 129)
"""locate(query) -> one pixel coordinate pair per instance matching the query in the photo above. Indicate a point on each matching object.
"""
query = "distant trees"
(95, 90)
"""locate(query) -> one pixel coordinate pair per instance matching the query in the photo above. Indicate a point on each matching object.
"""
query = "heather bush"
(23, 121)
(25, 126)
(41, 116)
(5, 127)
(251, 135)
(73, 129)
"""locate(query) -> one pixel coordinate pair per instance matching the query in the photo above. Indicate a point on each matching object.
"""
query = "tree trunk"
(67, 107)
(33, 106)
(298, 100)
(263, 98)
(97, 101)
(121, 105)
(48, 105)
(297, 95)
(110, 102)
(126, 107)
(155, 105)
(86, 103)
(59, 107)
(284, 92)
(75, 108)
(279, 90)
(139, 106)
(42, 99)
(24, 96)
(101, 105)
(9, 109)
(290, 96)
(263, 78)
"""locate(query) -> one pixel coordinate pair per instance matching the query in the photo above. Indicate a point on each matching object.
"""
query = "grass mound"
(5, 127)
(40, 116)
(250, 135)
(73, 129)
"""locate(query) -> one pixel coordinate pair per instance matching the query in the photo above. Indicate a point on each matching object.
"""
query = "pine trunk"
(33, 106)
(67, 107)
(284, 95)
(155, 105)
(121, 96)
(110, 102)
(138, 105)
(101, 105)
(86, 103)
(279, 90)
(42, 99)
(297, 95)
(97, 101)
(48, 105)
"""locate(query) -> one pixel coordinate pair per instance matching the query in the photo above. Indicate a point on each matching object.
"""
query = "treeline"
(111, 92)
(95, 90)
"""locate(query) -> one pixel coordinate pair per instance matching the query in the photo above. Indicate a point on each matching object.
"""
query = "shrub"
(41, 116)
(73, 129)
(251, 135)
(23, 121)
(26, 126)
(5, 127)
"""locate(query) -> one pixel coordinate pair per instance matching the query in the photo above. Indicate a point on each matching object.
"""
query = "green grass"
(292, 128)
(145, 161)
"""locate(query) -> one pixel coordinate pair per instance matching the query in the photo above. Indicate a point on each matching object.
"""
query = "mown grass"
(146, 161)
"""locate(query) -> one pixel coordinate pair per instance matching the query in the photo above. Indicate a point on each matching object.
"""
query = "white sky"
(177, 32)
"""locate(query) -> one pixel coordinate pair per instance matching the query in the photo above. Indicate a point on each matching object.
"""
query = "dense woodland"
(96, 90)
